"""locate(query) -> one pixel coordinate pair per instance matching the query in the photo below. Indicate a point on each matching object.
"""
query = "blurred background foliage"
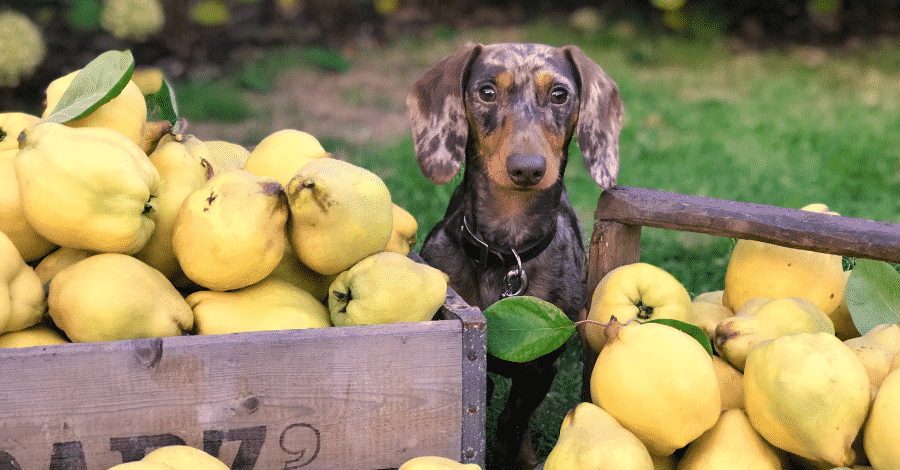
(186, 37)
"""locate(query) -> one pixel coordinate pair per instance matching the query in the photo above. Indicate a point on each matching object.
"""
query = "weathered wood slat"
(356, 397)
(845, 236)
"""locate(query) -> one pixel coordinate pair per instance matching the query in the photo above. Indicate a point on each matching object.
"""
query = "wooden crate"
(365, 397)
(623, 210)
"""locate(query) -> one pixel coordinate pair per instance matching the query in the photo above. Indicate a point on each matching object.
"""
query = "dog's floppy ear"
(599, 118)
(437, 114)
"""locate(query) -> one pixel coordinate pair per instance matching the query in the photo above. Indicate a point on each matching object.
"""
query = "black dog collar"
(479, 251)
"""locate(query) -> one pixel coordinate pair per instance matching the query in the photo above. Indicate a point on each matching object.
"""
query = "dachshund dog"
(508, 113)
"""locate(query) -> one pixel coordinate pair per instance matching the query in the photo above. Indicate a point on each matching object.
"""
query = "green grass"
(219, 100)
(767, 127)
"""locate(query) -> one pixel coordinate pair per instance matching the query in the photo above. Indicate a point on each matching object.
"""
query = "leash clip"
(515, 276)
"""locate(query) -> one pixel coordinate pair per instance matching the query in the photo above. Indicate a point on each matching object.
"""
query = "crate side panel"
(349, 401)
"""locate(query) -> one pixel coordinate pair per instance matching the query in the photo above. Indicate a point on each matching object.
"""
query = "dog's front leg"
(531, 381)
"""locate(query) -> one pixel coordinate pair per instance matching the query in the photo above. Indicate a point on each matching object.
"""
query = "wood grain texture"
(845, 236)
(363, 397)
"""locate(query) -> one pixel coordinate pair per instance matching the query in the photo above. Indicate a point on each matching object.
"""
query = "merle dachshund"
(508, 113)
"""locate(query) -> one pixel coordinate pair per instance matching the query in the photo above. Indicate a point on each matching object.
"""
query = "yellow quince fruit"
(340, 214)
(291, 270)
(224, 156)
(181, 457)
(11, 125)
(431, 462)
(663, 462)
(639, 291)
(807, 394)
(31, 245)
(126, 113)
(714, 297)
(37, 335)
(707, 311)
(148, 79)
(281, 154)
(22, 300)
(386, 287)
(591, 439)
(876, 351)
(844, 328)
(60, 259)
(731, 443)
(819, 207)
(731, 383)
(231, 232)
(403, 237)
(758, 269)
(658, 382)
(111, 296)
(183, 168)
(762, 319)
(88, 188)
(880, 433)
(270, 304)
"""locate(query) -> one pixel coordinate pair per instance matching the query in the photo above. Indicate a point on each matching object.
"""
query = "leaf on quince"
(873, 294)
(693, 331)
(523, 328)
(101, 80)
(162, 105)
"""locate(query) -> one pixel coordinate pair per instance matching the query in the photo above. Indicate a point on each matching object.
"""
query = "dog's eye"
(487, 93)
(559, 96)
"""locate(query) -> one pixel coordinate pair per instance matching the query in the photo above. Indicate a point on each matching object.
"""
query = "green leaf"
(101, 80)
(873, 294)
(693, 330)
(164, 101)
(523, 328)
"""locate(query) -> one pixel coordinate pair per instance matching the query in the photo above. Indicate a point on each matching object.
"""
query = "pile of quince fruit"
(785, 380)
(114, 227)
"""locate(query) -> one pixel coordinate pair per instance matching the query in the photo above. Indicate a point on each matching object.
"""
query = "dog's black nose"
(526, 170)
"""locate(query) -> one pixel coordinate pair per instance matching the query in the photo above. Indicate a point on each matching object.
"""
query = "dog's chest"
(556, 276)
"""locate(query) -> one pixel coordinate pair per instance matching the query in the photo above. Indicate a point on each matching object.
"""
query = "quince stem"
(574, 324)
(611, 328)
(605, 324)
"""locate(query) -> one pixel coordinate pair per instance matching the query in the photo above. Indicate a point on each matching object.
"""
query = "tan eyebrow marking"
(504, 80)
(544, 79)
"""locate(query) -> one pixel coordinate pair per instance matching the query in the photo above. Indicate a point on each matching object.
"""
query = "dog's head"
(516, 107)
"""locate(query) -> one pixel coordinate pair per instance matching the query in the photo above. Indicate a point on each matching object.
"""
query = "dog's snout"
(525, 169)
